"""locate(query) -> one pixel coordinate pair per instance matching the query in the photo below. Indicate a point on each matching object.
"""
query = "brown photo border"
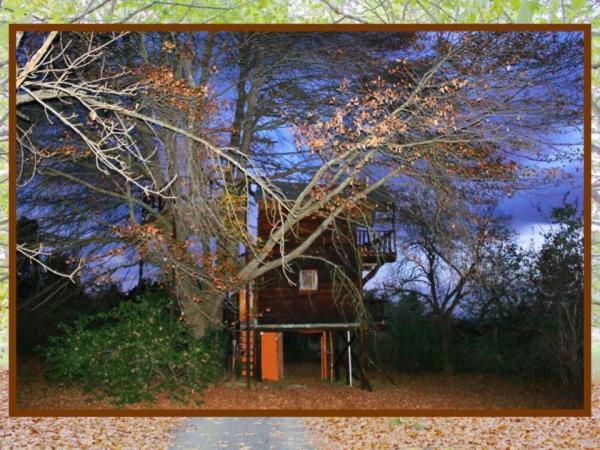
(586, 410)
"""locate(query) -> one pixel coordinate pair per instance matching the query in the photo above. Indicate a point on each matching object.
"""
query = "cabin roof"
(292, 190)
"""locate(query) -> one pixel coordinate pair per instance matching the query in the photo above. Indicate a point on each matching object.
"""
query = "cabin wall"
(278, 301)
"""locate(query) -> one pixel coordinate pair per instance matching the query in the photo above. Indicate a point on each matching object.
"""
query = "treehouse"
(319, 293)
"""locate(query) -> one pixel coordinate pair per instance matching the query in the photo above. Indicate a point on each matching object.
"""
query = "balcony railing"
(373, 243)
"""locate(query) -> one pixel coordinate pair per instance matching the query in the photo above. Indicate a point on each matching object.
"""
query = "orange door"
(271, 353)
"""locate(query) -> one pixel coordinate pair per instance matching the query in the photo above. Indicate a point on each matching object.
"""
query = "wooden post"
(331, 355)
(349, 358)
(234, 355)
(247, 334)
(363, 375)
(256, 356)
(323, 356)
(336, 367)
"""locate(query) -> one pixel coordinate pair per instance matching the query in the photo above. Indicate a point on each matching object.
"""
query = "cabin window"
(309, 280)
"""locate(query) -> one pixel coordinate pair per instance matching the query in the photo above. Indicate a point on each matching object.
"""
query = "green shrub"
(410, 342)
(136, 350)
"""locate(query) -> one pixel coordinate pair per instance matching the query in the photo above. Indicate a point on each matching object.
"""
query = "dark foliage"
(46, 299)
(135, 351)
(526, 318)
(410, 342)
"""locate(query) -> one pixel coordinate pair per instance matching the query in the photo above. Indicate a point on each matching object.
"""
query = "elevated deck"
(376, 247)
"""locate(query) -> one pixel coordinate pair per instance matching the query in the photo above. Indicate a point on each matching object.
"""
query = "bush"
(136, 350)
(410, 342)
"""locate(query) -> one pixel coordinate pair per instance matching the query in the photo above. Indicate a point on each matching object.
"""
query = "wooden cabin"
(320, 294)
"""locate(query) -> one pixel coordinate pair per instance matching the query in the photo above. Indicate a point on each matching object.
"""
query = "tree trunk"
(205, 66)
(198, 315)
(200, 310)
(241, 95)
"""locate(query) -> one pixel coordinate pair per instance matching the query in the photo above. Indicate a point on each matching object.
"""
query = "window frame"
(301, 279)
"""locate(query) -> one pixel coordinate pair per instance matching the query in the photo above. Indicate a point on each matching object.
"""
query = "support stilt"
(349, 358)
(334, 360)
(363, 369)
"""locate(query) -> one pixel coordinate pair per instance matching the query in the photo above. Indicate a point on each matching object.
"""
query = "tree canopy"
(138, 151)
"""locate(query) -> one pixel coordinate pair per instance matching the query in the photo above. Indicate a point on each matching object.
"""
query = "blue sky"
(529, 209)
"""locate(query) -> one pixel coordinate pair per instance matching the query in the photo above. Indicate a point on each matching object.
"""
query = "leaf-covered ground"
(459, 432)
(326, 433)
(467, 432)
(81, 432)
(303, 389)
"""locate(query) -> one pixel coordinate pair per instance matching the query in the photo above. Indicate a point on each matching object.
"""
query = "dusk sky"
(529, 209)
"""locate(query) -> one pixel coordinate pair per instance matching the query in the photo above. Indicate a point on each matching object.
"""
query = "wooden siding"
(278, 301)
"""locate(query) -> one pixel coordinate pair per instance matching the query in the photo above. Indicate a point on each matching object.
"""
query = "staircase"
(247, 337)
(246, 351)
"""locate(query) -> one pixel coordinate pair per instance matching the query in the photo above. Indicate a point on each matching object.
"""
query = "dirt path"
(242, 433)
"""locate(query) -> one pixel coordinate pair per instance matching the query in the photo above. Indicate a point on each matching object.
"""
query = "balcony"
(376, 247)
